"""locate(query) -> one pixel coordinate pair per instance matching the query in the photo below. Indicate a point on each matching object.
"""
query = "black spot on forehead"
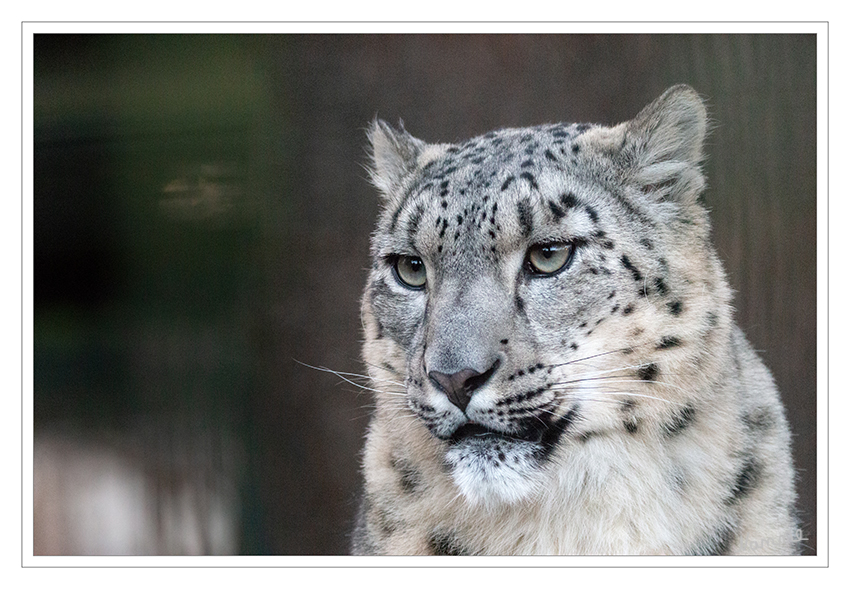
(557, 211)
(568, 199)
(529, 177)
(413, 221)
(525, 217)
(446, 171)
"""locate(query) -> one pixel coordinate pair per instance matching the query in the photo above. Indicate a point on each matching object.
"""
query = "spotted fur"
(608, 406)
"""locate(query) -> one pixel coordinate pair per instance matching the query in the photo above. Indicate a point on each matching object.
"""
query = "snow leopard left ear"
(395, 155)
(663, 145)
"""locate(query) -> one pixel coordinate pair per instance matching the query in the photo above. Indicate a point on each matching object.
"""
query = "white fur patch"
(490, 469)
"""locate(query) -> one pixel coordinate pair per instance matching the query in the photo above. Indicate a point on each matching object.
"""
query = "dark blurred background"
(202, 218)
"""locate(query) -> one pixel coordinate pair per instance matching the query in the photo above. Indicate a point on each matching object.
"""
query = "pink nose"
(460, 386)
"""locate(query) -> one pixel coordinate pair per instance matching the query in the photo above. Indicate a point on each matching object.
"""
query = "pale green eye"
(410, 271)
(547, 259)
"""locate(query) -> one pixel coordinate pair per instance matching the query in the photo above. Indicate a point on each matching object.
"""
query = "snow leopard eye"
(546, 259)
(410, 271)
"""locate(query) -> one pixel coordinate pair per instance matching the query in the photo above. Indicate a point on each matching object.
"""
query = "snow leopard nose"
(460, 386)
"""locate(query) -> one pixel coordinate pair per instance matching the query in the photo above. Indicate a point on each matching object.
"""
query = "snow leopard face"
(528, 288)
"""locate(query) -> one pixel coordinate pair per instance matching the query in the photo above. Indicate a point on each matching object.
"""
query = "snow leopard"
(551, 344)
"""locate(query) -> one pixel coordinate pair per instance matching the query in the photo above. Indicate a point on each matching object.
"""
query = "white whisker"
(585, 359)
(612, 393)
(344, 375)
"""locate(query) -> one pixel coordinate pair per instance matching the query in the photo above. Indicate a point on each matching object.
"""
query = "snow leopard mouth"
(540, 432)
(472, 430)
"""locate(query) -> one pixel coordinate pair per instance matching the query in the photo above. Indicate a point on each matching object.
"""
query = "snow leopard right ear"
(395, 154)
(663, 145)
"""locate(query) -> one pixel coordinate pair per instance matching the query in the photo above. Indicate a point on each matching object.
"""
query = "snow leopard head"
(539, 284)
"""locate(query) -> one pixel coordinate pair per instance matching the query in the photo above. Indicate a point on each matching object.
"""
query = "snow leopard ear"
(663, 145)
(394, 156)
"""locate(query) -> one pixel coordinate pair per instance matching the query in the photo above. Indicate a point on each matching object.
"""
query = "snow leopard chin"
(491, 470)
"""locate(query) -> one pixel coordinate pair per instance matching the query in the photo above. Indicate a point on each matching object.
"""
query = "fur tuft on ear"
(394, 156)
(663, 144)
